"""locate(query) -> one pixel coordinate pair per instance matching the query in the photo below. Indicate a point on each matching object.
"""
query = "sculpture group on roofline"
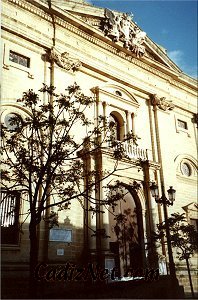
(119, 28)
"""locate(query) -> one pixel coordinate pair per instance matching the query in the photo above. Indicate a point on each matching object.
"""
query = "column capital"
(161, 102)
(129, 112)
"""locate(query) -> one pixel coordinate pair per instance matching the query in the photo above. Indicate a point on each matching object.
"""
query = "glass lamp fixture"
(154, 190)
(171, 195)
(155, 193)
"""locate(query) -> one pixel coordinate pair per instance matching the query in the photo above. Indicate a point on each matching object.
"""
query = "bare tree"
(43, 155)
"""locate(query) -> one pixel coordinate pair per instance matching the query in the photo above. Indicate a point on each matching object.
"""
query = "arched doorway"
(126, 232)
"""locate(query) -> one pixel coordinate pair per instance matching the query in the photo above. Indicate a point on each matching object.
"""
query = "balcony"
(131, 150)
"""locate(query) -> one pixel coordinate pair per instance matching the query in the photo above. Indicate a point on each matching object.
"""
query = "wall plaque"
(60, 235)
(60, 252)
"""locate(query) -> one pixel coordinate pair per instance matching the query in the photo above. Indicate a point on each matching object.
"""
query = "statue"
(119, 28)
(138, 37)
(112, 26)
(125, 29)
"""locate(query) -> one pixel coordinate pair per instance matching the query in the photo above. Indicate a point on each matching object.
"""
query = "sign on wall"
(60, 235)
(60, 252)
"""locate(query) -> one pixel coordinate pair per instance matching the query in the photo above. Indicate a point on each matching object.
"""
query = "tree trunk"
(33, 258)
(190, 279)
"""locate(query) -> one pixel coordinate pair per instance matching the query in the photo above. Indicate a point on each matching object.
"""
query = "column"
(133, 115)
(129, 121)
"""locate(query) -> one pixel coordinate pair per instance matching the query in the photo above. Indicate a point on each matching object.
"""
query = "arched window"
(115, 127)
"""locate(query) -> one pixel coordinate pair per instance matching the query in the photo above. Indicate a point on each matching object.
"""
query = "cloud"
(177, 57)
(191, 71)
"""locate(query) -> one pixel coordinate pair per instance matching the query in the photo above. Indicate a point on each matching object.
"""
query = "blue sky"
(171, 24)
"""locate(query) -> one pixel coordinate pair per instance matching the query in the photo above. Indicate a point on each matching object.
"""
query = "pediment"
(100, 21)
(192, 210)
(115, 92)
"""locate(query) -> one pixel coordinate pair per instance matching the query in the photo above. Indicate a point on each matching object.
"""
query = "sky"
(171, 24)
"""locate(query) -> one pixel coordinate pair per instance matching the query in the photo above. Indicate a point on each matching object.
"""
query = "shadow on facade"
(15, 283)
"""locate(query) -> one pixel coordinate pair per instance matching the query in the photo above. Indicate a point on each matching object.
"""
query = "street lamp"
(155, 194)
(166, 202)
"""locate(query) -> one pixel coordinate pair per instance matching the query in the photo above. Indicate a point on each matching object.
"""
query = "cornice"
(32, 8)
(154, 48)
(122, 53)
(117, 49)
(154, 165)
(131, 161)
(92, 35)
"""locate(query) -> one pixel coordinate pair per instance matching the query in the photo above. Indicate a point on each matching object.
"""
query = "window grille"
(9, 212)
(19, 59)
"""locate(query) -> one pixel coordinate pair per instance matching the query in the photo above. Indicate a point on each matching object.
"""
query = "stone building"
(137, 86)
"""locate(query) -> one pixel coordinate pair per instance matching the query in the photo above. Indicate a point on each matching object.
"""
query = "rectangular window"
(9, 212)
(19, 59)
(182, 124)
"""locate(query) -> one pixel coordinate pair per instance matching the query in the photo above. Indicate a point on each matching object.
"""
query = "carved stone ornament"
(119, 28)
(162, 103)
(63, 60)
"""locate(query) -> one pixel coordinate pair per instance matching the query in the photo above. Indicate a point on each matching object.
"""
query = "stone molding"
(113, 50)
(32, 8)
(127, 56)
(91, 21)
(191, 210)
(162, 103)
(95, 40)
(63, 60)
(132, 100)
(153, 165)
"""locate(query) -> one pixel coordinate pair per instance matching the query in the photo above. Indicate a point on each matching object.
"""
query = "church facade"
(138, 88)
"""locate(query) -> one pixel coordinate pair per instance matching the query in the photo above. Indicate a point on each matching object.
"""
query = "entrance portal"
(126, 233)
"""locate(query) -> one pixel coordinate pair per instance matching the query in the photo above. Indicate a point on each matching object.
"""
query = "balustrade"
(132, 150)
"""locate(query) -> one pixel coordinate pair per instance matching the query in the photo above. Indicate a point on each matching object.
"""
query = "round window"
(13, 121)
(186, 170)
(118, 93)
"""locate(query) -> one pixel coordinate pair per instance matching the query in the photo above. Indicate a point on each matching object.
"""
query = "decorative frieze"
(63, 60)
(91, 21)
(119, 28)
(162, 103)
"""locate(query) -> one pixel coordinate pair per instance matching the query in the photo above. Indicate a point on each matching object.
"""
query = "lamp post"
(166, 202)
